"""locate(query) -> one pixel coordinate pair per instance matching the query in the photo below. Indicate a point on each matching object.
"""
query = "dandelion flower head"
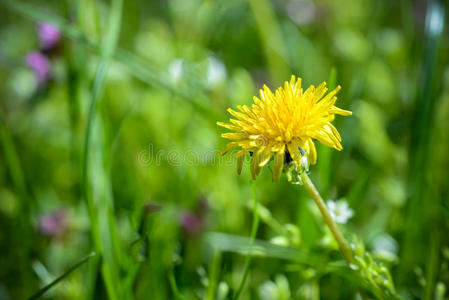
(284, 125)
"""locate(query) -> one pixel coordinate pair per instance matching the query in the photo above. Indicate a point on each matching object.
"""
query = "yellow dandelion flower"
(284, 124)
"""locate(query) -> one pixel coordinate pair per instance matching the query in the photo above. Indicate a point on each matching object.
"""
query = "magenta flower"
(54, 223)
(191, 223)
(49, 35)
(194, 222)
(41, 66)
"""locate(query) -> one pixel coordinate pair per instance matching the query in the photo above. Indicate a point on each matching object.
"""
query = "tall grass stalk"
(102, 221)
(422, 198)
(174, 286)
(325, 153)
(16, 172)
(214, 274)
(254, 228)
(271, 37)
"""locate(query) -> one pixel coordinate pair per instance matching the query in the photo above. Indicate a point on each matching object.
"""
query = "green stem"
(214, 271)
(271, 37)
(174, 286)
(14, 166)
(342, 244)
(254, 228)
(432, 267)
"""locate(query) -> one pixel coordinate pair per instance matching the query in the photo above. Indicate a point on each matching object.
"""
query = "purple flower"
(41, 66)
(49, 35)
(191, 223)
(54, 223)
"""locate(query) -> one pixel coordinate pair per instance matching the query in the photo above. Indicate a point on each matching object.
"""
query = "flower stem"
(254, 228)
(342, 244)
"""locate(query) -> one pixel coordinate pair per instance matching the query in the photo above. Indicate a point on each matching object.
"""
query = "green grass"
(123, 141)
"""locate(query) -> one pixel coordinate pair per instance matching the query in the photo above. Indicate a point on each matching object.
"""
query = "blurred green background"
(108, 147)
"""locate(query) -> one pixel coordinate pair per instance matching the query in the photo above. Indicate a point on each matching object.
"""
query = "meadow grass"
(110, 182)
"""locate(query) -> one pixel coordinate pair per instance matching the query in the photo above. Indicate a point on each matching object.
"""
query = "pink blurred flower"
(54, 223)
(49, 35)
(41, 66)
(191, 223)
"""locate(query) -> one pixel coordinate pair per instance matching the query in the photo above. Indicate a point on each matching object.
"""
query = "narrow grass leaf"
(64, 275)
(99, 215)
(214, 273)
(242, 245)
(254, 228)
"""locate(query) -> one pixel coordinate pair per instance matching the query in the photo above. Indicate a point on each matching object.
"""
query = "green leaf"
(242, 245)
(64, 275)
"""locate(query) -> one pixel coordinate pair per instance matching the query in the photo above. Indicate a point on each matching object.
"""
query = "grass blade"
(174, 286)
(254, 228)
(15, 170)
(101, 233)
(271, 37)
(214, 273)
(64, 275)
(242, 245)
(325, 153)
(419, 205)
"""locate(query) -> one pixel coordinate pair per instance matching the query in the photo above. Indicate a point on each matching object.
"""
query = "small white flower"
(340, 211)
(216, 72)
